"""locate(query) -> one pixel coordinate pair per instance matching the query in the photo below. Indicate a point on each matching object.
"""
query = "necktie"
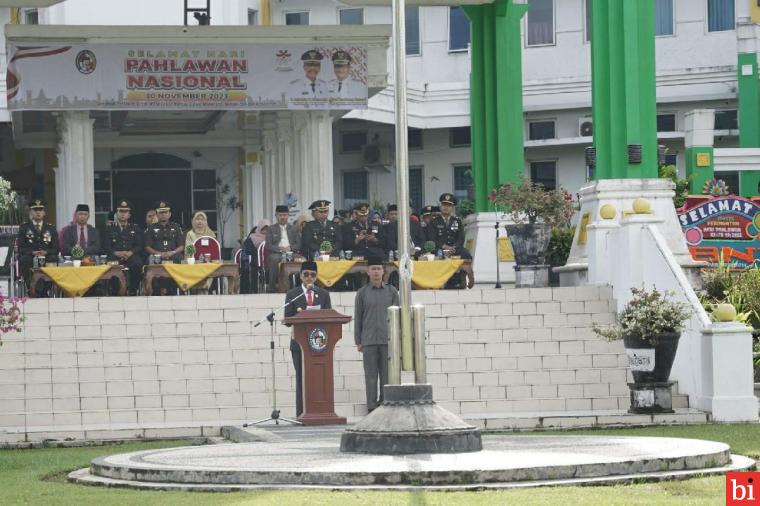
(340, 85)
(82, 241)
(309, 298)
(313, 88)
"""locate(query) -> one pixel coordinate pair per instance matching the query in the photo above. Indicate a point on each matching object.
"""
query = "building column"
(623, 89)
(699, 137)
(317, 172)
(748, 43)
(75, 174)
(496, 108)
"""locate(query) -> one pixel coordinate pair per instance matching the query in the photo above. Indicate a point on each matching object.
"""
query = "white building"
(696, 68)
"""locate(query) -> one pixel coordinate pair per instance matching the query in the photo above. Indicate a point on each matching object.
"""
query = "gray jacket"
(274, 234)
(371, 313)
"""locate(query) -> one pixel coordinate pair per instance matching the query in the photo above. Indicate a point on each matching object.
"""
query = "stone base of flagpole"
(407, 422)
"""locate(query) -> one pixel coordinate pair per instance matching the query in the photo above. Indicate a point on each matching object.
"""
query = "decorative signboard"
(723, 228)
(265, 76)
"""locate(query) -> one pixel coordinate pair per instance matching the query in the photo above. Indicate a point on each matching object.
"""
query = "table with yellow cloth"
(75, 281)
(328, 273)
(188, 276)
(433, 274)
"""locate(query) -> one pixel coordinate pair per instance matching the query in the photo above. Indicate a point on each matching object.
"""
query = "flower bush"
(10, 207)
(11, 316)
(646, 316)
(560, 245)
(530, 202)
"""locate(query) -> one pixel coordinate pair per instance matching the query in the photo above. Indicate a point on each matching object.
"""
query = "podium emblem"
(318, 340)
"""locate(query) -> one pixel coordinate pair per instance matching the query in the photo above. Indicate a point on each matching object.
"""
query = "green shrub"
(559, 245)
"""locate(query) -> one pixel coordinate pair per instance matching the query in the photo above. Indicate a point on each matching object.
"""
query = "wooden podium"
(317, 332)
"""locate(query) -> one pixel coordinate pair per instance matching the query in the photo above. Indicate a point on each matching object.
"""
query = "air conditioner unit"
(585, 127)
(378, 156)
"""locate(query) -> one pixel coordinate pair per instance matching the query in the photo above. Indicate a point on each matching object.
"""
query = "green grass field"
(38, 477)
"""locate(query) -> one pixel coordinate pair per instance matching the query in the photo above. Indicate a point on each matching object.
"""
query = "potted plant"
(77, 253)
(534, 211)
(650, 326)
(190, 253)
(429, 249)
(325, 248)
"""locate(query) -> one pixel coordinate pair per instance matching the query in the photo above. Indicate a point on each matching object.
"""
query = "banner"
(193, 76)
(722, 229)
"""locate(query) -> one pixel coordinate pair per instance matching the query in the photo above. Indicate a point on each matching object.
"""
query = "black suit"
(70, 237)
(322, 299)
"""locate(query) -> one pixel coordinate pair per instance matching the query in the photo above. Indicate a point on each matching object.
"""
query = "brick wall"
(177, 361)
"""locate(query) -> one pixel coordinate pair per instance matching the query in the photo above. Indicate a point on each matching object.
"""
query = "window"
(204, 194)
(253, 17)
(31, 17)
(352, 142)
(459, 137)
(732, 180)
(720, 15)
(666, 122)
(459, 29)
(671, 159)
(463, 188)
(545, 173)
(588, 20)
(415, 138)
(540, 22)
(538, 130)
(354, 187)
(412, 30)
(297, 18)
(726, 120)
(416, 196)
(663, 17)
(351, 16)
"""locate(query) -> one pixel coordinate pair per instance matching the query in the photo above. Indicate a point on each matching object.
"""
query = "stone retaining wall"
(179, 361)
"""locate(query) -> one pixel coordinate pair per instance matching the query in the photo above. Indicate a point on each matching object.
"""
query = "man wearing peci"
(281, 238)
(371, 329)
(81, 233)
(306, 296)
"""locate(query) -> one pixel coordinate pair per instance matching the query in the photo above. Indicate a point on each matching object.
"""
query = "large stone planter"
(650, 365)
(530, 243)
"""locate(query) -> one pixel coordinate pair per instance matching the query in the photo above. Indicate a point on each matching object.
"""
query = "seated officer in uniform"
(390, 232)
(360, 236)
(124, 243)
(166, 240)
(36, 239)
(81, 233)
(318, 230)
(447, 230)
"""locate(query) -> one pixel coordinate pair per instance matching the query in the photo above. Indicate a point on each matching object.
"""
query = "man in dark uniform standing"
(36, 239)
(124, 243)
(319, 230)
(360, 236)
(165, 239)
(447, 230)
(305, 296)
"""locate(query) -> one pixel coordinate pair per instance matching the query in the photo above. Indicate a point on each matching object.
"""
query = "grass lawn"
(38, 477)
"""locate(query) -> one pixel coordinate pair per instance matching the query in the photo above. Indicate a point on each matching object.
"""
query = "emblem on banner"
(284, 61)
(318, 340)
(86, 61)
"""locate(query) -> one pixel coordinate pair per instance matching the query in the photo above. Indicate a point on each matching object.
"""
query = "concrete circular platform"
(504, 461)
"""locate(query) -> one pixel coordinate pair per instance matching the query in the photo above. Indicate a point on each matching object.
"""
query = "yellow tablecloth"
(434, 274)
(75, 281)
(187, 276)
(328, 273)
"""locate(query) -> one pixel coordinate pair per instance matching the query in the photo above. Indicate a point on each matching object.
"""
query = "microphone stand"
(498, 275)
(275, 412)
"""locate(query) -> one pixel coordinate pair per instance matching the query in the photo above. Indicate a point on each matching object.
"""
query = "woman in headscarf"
(200, 228)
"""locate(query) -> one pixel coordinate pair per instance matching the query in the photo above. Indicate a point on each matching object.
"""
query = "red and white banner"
(168, 76)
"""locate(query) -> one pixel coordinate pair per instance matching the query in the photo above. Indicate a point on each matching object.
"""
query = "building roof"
(29, 3)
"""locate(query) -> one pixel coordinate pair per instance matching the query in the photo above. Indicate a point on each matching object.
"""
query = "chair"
(261, 257)
(207, 245)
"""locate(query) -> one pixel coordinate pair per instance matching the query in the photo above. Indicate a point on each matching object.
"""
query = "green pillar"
(749, 118)
(623, 89)
(496, 111)
(699, 168)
